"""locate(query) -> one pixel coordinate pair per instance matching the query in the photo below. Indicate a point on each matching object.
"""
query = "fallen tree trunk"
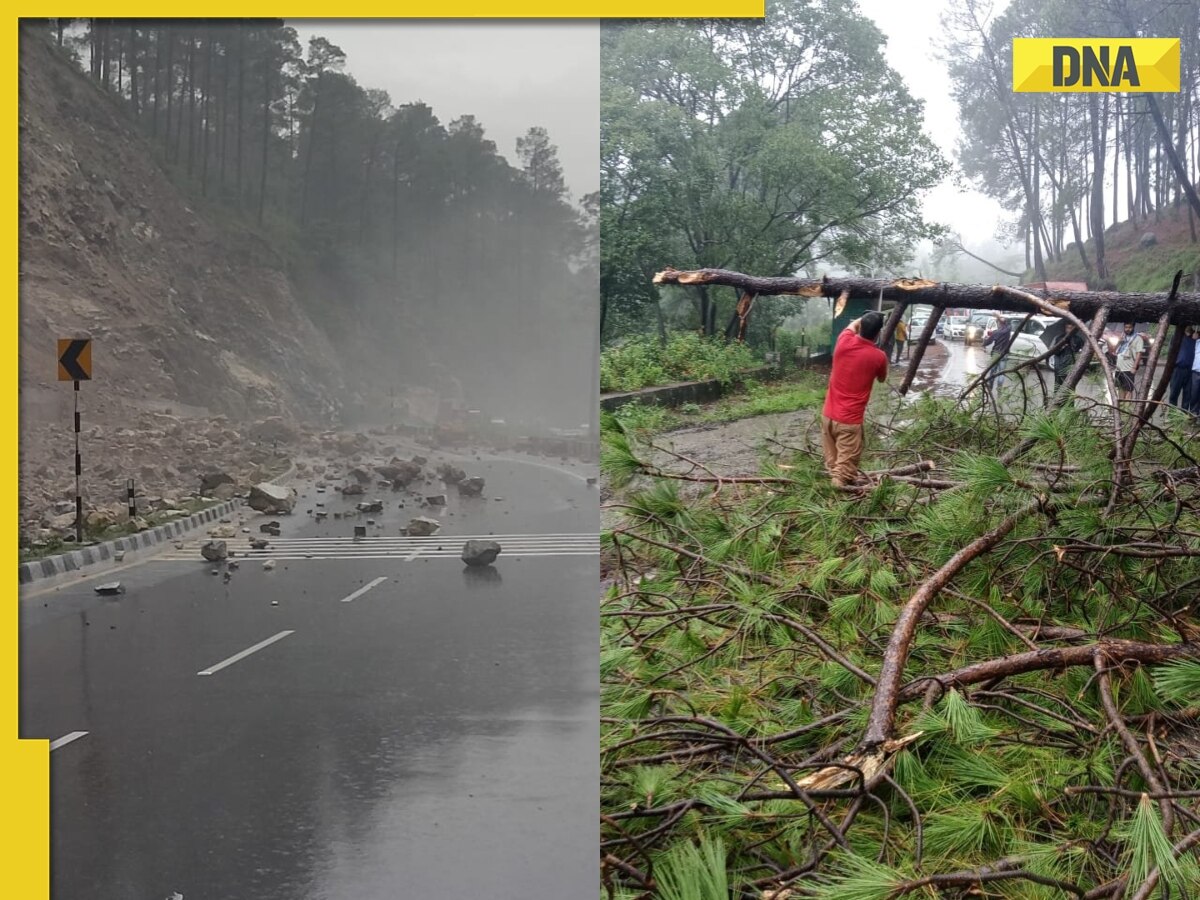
(1123, 307)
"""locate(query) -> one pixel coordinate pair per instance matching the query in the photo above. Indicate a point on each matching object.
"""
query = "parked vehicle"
(979, 328)
(955, 327)
(1036, 336)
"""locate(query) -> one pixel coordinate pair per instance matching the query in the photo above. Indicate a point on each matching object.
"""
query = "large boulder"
(450, 473)
(225, 491)
(213, 480)
(99, 518)
(272, 499)
(64, 522)
(273, 430)
(423, 527)
(480, 553)
(1149, 239)
(361, 475)
(351, 488)
(471, 487)
(405, 473)
(214, 551)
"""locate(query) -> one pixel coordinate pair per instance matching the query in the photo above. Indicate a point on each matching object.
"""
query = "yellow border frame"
(25, 782)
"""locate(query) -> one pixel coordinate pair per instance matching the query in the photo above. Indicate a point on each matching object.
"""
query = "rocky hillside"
(195, 325)
(1141, 256)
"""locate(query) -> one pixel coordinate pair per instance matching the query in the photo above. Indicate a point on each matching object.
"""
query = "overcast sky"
(912, 30)
(510, 75)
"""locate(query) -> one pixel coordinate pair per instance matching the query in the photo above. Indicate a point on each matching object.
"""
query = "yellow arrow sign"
(75, 359)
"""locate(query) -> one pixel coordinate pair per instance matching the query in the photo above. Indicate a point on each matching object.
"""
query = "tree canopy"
(399, 229)
(772, 146)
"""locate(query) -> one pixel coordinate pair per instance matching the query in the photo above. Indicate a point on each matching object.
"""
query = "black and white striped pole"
(78, 473)
(129, 496)
(75, 364)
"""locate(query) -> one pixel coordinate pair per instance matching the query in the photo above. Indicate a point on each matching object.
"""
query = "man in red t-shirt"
(857, 365)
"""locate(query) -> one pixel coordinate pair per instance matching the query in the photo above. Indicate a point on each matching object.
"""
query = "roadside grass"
(801, 391)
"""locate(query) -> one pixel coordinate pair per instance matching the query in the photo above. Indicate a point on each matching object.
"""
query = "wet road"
(397, 726)
(963, 364)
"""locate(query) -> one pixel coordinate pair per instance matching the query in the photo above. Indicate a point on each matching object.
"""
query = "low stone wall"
(74, 560)
(687, 391)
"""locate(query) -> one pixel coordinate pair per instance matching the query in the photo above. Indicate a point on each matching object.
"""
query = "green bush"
(640, 418)
(643, 362)
(786, 343)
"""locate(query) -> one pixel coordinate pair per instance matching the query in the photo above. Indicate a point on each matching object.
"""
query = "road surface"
(396, 726)
(963, 364)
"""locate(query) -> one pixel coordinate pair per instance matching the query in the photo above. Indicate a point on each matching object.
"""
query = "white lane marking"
(237, 656)
(66, 739)
(366, 587)
(416, 552)
(507, 554)
(438, 538)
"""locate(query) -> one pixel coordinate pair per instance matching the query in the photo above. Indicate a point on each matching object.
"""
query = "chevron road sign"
(74, 359)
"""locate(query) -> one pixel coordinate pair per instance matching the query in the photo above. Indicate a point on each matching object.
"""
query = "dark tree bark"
(241, 93)
(365, 199)
(94, 45)
(1052, 658)
(1129, 160)
(1099, 124)
(207, 112)
(395, 211)
(105, 50)
(133, 79)
(158, 61)
(1176, 163)
(191, 65)
(170, 87)
(1116, 156)
(926, 336)
(308, 161)
(226, 49)
(268, 67)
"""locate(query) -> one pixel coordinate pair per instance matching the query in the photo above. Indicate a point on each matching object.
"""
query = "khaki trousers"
(843, 445)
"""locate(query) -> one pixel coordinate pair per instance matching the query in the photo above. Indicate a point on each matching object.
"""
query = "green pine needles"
(745, 635)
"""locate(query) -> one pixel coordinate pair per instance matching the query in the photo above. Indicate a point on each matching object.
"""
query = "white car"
(956, 327)
(1036, 337)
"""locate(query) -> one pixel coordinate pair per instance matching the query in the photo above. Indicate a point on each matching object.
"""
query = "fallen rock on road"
(471, 487)
(480, 553)
(214, 551)
(423, 527)
(272, 498)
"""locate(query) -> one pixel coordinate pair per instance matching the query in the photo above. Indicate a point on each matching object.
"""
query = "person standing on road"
(901, 336)
(857, 365)
(1064, 360)
(1000, 340)
(1130, 353)
(1181, 377)
(1196, 379)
